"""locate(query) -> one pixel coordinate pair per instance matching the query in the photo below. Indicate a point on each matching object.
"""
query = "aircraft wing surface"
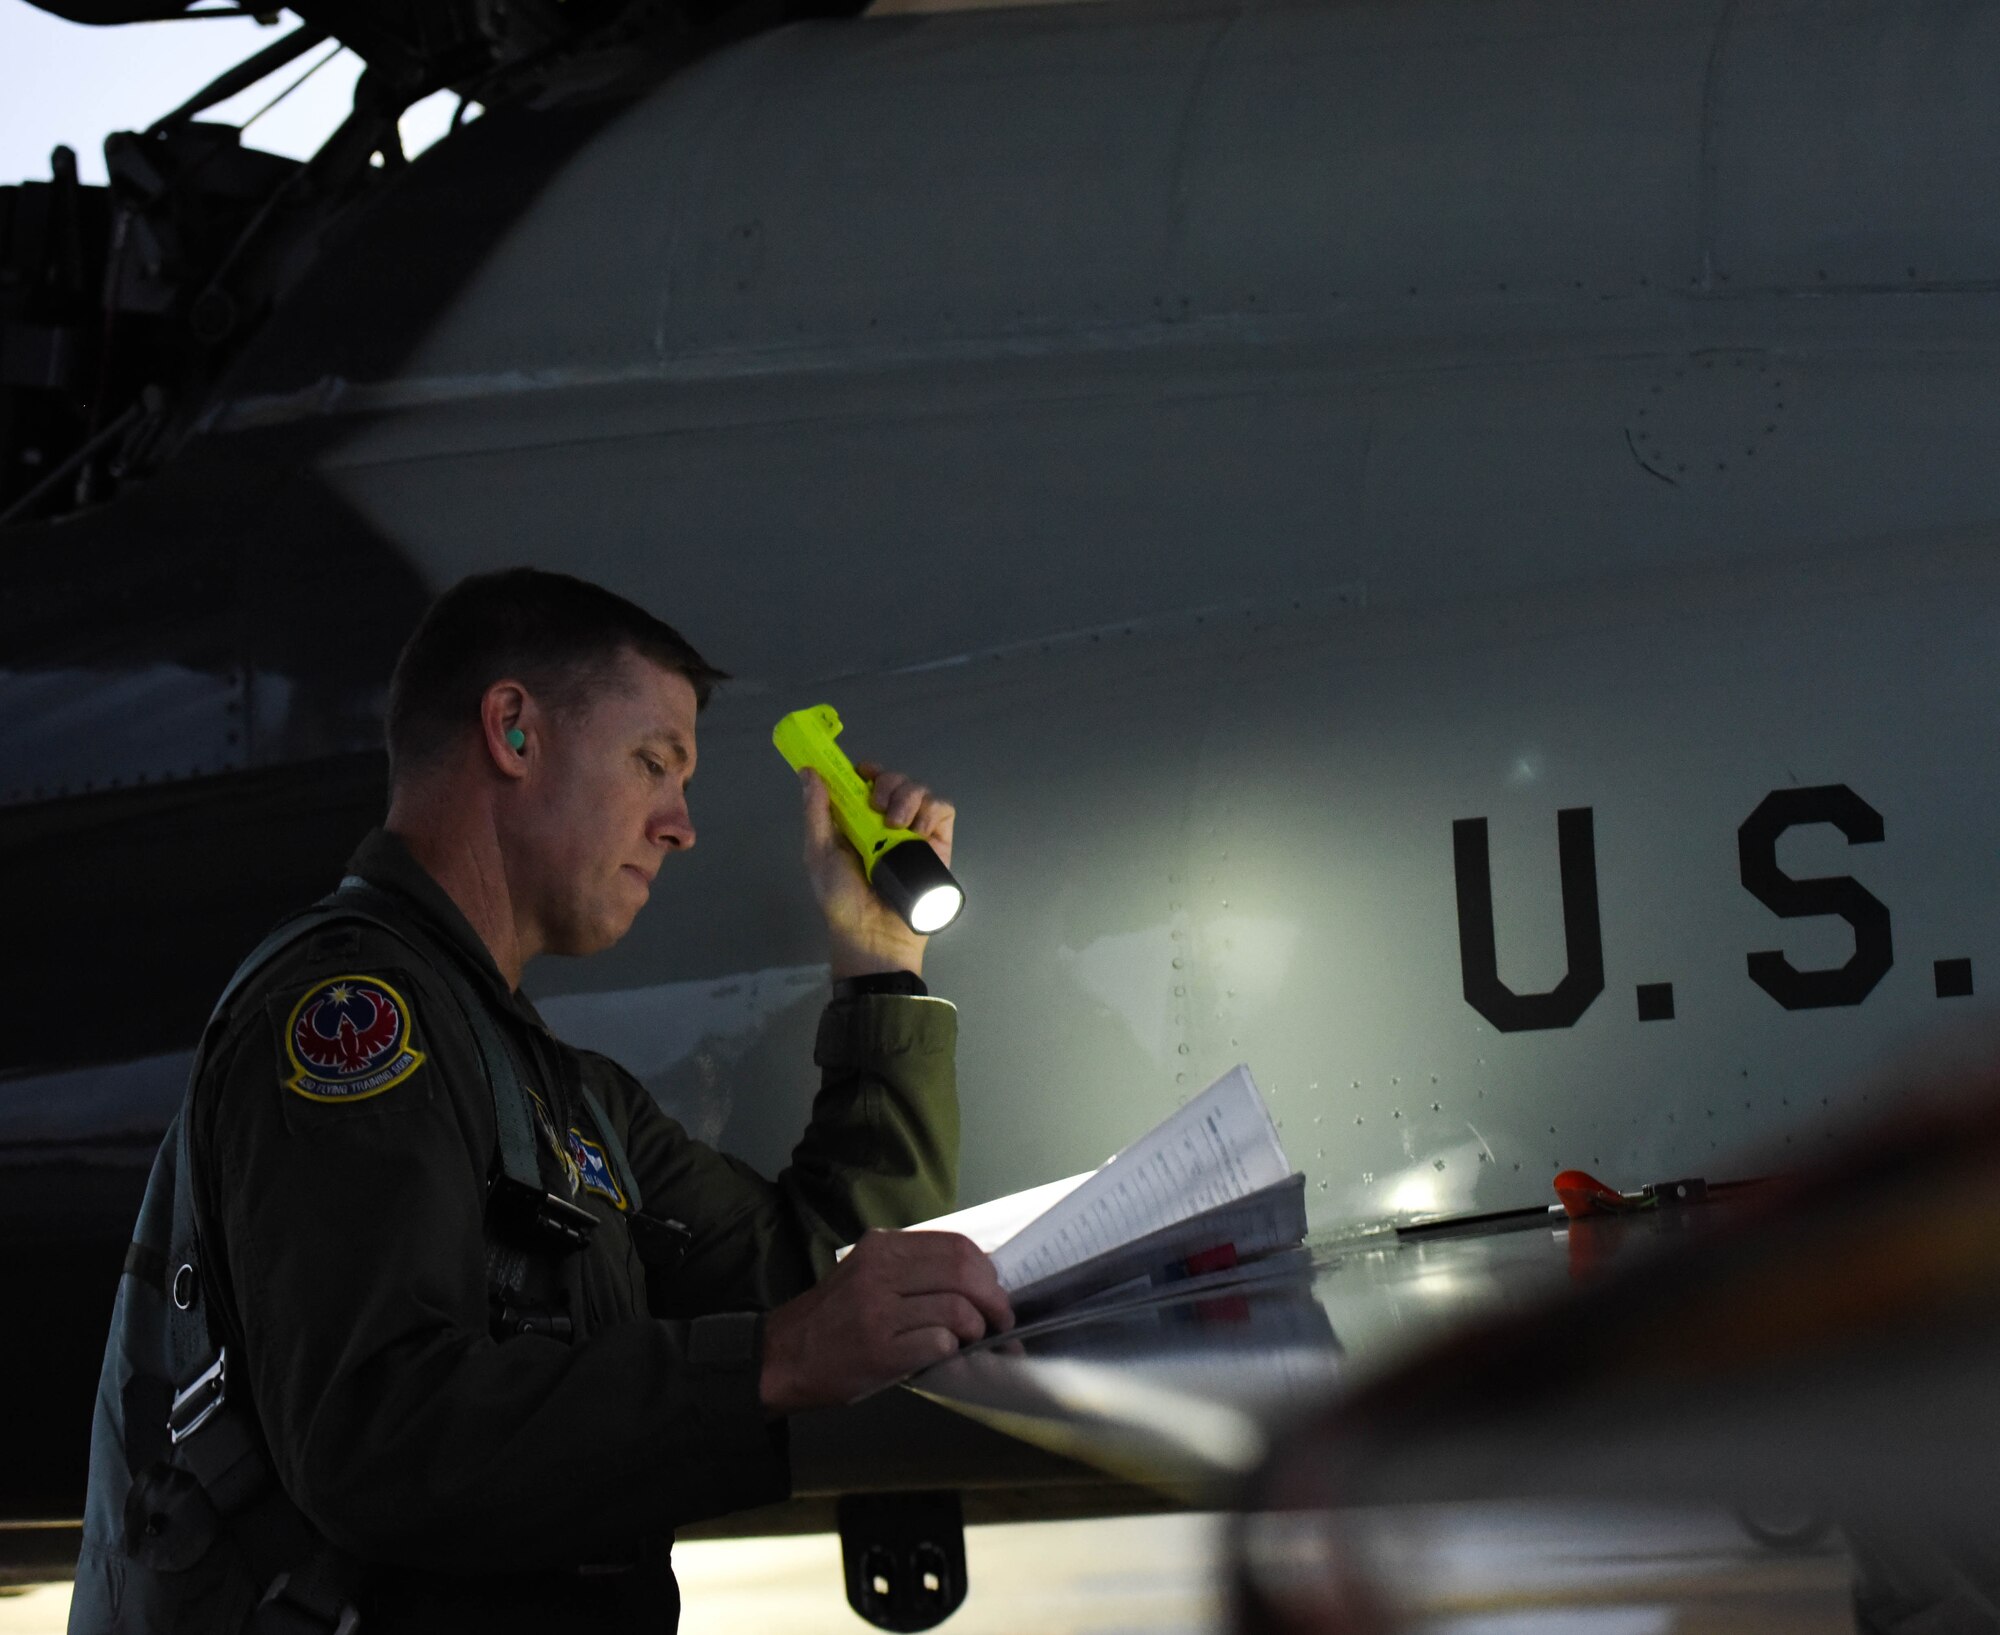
(1188, 1393)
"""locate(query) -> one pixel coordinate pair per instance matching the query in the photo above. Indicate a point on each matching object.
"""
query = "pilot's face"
(611, 804)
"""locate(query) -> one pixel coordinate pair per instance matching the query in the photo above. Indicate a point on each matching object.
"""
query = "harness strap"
(307, 1600)
(614, 1149)
(510, 1100)
(191, 1348)
(310, 1583)
(518, 1204)
(310, 1586)
(188, 1339)
(511, 1114)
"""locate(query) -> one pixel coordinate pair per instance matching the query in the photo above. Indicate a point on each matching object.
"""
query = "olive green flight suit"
(526, 1482)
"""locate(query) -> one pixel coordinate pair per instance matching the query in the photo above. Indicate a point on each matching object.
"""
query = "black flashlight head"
(917, 885)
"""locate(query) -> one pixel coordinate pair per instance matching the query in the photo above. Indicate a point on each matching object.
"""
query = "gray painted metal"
(1223, 446)
(75, 731)
(1191, 1393)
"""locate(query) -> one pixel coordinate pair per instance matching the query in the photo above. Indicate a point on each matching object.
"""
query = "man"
(491, 1427)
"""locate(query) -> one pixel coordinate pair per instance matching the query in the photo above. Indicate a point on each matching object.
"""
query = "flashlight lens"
(936, 909)
(912, 878)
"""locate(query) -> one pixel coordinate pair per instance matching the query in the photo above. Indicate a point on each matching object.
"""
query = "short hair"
(560, 636)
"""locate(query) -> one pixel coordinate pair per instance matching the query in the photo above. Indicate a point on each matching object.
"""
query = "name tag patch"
(349, 1039)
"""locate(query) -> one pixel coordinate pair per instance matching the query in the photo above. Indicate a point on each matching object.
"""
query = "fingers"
(992, 1302)
(918, 1349)
(938, 1263)
(899, 1302)
(898, 798)
(951, 1312)
(939, 828)
(818, 809)
(906, 804)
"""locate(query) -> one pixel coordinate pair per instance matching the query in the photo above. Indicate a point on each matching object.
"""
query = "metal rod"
(289, 89)
(117, 426)
(244, 75)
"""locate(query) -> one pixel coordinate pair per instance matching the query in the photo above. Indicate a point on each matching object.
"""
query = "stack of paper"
(1202, 1192)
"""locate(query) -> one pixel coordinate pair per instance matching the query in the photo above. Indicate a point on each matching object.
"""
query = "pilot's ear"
(508, 723)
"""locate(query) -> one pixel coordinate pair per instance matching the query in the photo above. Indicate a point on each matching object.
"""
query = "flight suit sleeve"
(881, 1149)
(353, 1247)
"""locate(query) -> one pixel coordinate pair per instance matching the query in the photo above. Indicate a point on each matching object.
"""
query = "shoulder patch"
(594, 1168)
(349, 1039)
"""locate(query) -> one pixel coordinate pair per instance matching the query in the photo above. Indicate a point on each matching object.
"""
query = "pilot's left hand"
(865, 933)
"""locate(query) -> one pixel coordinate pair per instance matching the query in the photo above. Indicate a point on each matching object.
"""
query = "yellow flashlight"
(899, 863)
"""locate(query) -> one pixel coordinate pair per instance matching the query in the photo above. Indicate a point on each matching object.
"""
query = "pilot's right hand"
(898, 1302)
(866, 934)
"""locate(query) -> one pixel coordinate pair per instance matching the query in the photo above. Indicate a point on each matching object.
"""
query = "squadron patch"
(594, 1167)
(349, 1039)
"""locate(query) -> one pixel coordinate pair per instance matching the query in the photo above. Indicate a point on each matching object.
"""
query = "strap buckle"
(196, 1402)
(662, 1244)
(286, 1609)
(546, 1321)
(536, 1220)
